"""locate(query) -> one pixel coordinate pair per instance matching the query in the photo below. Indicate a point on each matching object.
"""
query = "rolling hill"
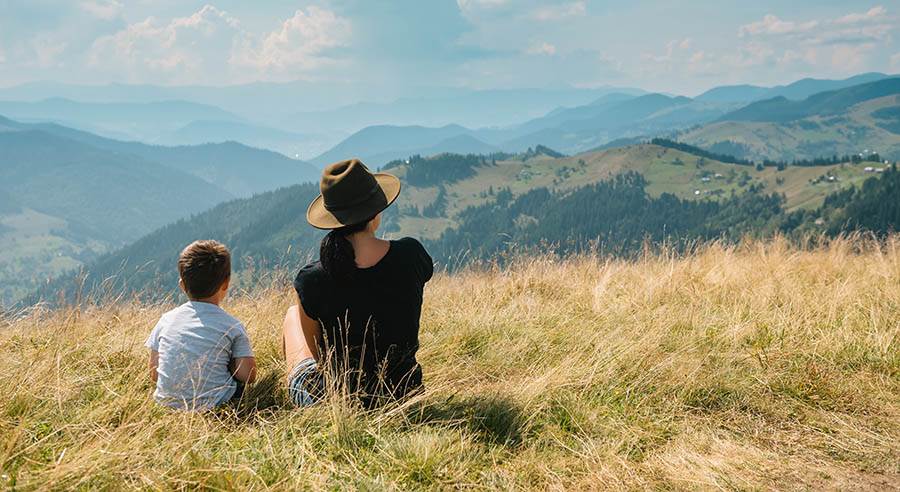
(131, 121)
(234, 167)
(570, 130)
(583, 128)
(67, 196)
(847, 121)
(781, 109)
(378, 145)
(263, 137)
(800, 89)
(66, 202)
(447, 199)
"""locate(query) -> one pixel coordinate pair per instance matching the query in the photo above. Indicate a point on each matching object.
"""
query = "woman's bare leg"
(293, 341)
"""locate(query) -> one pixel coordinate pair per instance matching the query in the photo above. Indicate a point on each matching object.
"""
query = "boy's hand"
(243, 369)
(154, 363)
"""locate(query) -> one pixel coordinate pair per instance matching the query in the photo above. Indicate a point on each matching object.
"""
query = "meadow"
(755, 366)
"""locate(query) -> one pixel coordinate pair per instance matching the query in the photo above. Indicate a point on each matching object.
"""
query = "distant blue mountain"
(234, 167)
(800, 89)
(377, 145)
(780, 109)
(135, 121)
(586, 127)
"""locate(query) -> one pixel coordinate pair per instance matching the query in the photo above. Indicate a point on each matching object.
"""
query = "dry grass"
(750, 367)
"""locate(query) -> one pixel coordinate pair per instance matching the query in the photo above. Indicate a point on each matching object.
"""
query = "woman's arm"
(312, 331)
(301, 335)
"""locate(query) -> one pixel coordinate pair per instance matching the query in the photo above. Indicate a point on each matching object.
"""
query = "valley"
(706, 182)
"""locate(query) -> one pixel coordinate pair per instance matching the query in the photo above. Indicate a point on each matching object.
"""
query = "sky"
(404, 45)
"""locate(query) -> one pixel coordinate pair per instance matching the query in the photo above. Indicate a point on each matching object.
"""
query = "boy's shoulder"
(203, 314)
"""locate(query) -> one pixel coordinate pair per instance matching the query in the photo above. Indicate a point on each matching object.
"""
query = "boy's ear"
(226, 284)
(181, 285)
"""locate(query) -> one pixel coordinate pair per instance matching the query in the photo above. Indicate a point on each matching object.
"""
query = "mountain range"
(857, 119)
(460, 205)
(67, 195)
(825, 123)
(67, 201)
(800, 89)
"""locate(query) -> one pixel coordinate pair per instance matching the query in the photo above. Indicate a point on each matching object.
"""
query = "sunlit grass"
(759, 366)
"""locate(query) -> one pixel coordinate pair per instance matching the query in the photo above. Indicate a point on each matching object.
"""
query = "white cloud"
(47, 51)
(840, 45)
(210, 46)
(543, 48)
(184, 49)
(854, 28)
(299, 43)
(874, 13)
(102, 9)
(771, 24)
(850, 58)
(560, 12)
(476, 4)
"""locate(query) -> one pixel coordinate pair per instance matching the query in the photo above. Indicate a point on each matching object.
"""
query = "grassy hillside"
(829, 103)
(685, 197)
(750, 367)
(67, 202)
(67, 196)
(666, 170)
(587, 127)
(798, 130)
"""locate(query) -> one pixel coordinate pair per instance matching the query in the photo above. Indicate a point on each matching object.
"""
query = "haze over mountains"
(69, 195)
(620, 116)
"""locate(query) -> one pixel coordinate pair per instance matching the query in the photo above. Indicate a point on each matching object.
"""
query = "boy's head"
(204, 267)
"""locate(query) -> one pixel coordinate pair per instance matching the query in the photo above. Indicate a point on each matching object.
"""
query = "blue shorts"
(305, 383)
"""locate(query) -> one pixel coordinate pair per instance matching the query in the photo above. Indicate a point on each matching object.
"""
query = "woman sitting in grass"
(358, 307)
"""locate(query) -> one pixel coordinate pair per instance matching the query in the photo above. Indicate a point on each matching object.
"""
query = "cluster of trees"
(442, 168)
(873, 207)
(540, 150)
(616, 216)
(697, 151)
(619, 217)
(268, 233)
(823, 161)
(781, 165)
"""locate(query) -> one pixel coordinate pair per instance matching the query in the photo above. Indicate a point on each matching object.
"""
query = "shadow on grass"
(261, 396)
(492, 419)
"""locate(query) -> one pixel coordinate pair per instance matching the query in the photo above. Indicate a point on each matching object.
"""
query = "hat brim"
(321, 218)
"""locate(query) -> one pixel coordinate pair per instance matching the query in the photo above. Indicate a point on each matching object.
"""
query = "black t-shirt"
(370, 325)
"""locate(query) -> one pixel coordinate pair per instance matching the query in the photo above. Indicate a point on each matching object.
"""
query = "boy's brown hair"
(204, 266)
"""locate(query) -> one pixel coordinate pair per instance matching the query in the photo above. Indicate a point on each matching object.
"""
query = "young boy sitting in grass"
(200, 356)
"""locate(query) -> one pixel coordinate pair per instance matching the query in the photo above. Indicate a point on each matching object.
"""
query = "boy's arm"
(154, 363)
(243, 369)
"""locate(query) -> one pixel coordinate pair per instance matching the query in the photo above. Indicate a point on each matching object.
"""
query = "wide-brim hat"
(350, 195)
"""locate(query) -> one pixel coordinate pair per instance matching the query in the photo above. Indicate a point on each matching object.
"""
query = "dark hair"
(204, 266)
(336, 253)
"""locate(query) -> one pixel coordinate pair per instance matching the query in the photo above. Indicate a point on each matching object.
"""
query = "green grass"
(34, 247)
(850, 133)
(657, 164)
(750, 367)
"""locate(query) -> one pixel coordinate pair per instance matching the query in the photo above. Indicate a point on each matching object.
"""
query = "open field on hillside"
(666, 170)
(749, 367)
(35, 246)
(849, 132)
